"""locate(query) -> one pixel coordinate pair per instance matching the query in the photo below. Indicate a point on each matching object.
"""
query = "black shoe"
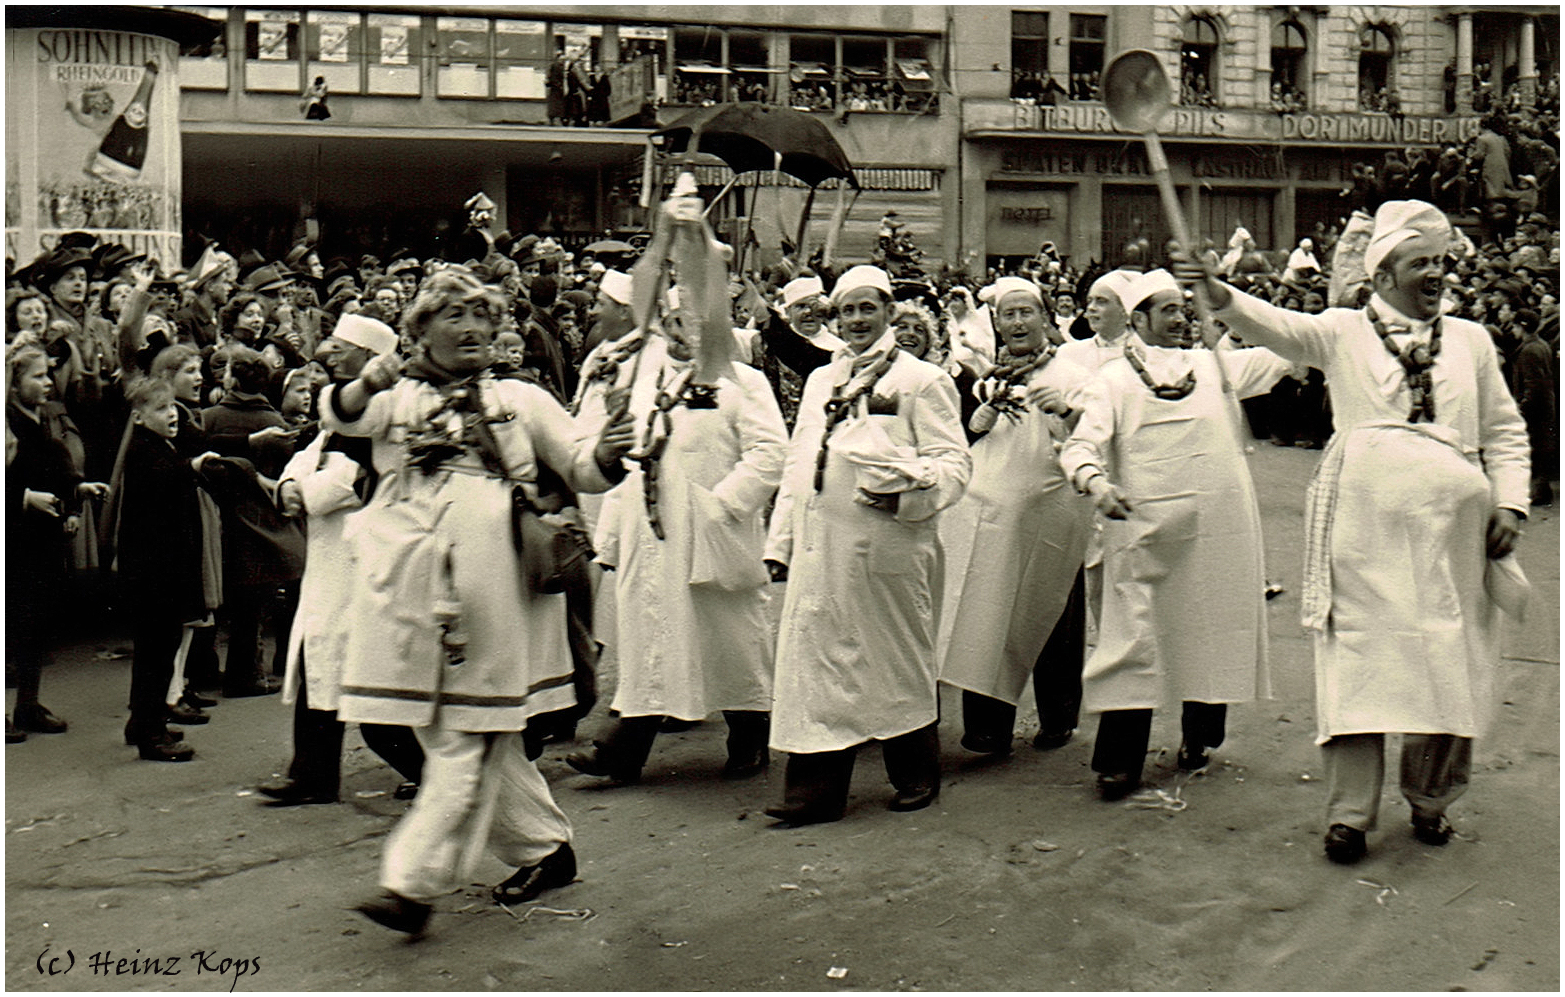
(405, 791)
(798, 816)
(37, 719)
(13, 733)
(166, 734)
(263, 686)
(179, 713)
(591, 763)
(555, 870)
(1048, 742)
(745, 766)
(196, 701)
(301, 798)
(170, 750)
(1194, 759)
(397, 912)
(1116, 785)
(1345, 845)
(908, 800)
(1273, 590)
(1432, 829)
(291, 793)
(986, 744)
(673, 725)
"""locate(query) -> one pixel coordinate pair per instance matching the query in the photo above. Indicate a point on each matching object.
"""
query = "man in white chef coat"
(877, 452)
(1183, 617)
(1418, 502)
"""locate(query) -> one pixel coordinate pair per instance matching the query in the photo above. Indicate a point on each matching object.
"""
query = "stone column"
(1464, 64)
(1527, 61)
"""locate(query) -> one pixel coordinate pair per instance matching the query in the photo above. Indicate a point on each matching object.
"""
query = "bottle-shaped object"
(448, 617)
(124, 148)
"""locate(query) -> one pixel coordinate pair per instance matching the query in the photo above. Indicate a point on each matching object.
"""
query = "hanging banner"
(92, 140)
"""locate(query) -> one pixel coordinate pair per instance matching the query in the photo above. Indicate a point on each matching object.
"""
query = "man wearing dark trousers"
(324, 482)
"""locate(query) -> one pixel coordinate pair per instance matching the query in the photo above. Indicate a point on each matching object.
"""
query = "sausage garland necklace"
(1010, 374)
(1167, 392)
(1418, 362)
(840, 405)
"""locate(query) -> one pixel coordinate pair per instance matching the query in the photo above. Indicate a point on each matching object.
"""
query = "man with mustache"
(796, 341)
(1183, 617)
(1419, 498)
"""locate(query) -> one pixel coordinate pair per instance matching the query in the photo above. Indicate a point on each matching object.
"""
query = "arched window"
(1290, 67)
(1376, 89)
(1198, 64)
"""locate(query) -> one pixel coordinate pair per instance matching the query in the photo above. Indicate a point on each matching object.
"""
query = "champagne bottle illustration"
(124, 148)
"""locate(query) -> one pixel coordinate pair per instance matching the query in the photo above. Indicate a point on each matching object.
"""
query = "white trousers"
(477, 789)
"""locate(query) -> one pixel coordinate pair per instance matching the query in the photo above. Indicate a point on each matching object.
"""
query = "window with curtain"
(1198, 64)
(1290, 67)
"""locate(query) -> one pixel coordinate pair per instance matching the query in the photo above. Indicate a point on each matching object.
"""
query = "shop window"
(812, 82)
(581, 44)
(1376, 51)
(698, 66)
(1029, 53)
(1198, 64)
(864, 79)
(1290, 67)
(1088, 33)
(913, 86)
(205, 66)
(521, 59)
(334, 45)
(272, 51)
(749, 67)
(392, 47)
(463, 57)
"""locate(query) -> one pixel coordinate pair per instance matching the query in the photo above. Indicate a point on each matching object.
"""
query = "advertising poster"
(92, 140)
(334, 41)
(393, 45)
(272, 41)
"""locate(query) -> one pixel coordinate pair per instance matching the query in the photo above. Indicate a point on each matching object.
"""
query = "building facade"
(981, 126)
(427, 108)
(1273, 108)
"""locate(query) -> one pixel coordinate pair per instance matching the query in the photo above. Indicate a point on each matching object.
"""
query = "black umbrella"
(749, 135)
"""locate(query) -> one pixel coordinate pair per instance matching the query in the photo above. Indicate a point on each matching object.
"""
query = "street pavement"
(129, 875)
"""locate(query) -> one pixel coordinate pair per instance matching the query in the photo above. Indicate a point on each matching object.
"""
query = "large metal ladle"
(1137, 94)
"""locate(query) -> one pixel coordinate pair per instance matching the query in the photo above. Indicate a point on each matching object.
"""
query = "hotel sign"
(1086, 119)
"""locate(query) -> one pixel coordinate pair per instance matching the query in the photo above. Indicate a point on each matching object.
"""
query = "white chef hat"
(992, 294)
(1398, 221)
(361, 330)
(1146, 285)
(863, 275)
(798, 290)
(1117, 283)
(615, 286)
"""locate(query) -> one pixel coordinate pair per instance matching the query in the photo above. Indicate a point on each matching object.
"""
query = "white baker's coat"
(1183, 614)
(691, 642)
(1014, 545)
(1413, 639)
(855, 656)
(320, 631)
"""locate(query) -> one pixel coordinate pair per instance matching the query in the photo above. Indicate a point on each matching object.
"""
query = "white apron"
(1013, 546)
(691, 639)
